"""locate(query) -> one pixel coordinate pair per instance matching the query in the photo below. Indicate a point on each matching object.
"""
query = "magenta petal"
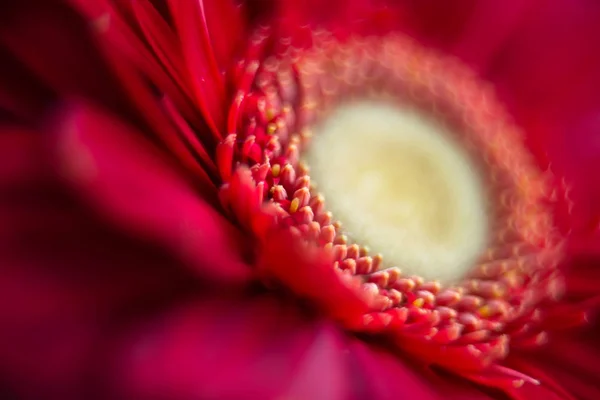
(488, 29)
(131, 183)
(264, 347)
(66, 279)
(321, 370)
(254, 347)
(389, 376)
(548, 75)
(547, 68)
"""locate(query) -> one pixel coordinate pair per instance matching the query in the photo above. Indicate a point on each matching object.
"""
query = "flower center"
(402, 187)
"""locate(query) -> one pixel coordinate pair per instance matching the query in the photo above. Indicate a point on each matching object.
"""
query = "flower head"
(365, 203)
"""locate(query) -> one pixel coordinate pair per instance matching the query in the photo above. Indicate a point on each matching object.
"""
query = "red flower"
(153, 204)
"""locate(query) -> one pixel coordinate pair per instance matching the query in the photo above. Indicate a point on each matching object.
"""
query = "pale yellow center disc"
(402, 187)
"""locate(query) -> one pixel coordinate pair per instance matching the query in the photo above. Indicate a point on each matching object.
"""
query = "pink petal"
(132, 183)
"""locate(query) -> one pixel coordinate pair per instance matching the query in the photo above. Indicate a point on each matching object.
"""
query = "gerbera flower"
(166, 238)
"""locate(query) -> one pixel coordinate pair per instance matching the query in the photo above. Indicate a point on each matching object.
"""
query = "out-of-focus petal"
(134, 185)
(547, 68)
(568, 366)
(67, 278)
(262, 346)
(489, 27)
(435, 23)
(227, 346)
(296, 19)
(22, 97)
(390, 376)
(548, 75)
(52, 42)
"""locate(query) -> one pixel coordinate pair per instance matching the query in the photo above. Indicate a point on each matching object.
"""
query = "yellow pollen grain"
(512, 277)
(402, 186)
(275, 170)
(485, 311)
(294, 205)
(418, 302)
(498, 291)
(518, 383)
(271, 128)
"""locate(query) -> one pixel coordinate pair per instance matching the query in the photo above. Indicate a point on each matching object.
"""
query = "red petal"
(309, 273)
(437, 23)
(208, 85)
(582, 275)
(135, 187)
(568, 366)
(225, 26)
(175, 80)
(55, 44)
(164, 43)
(295, 19)
(22, 96)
